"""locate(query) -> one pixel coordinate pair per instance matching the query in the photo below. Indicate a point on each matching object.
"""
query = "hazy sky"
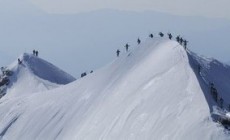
(209, 8)
(88, 41)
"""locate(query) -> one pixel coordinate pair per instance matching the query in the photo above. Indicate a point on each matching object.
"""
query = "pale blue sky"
(208, 8)
(79, 42)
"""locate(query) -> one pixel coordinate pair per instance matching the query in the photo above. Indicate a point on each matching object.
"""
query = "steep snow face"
(213, 71)
(150, 92)
(35, 75)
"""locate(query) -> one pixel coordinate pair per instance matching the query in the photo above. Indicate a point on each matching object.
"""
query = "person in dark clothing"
(83, 74)
(36, 53)
(185, 43)
(127, 47)
(19, 61)
(178, 39)
(151, 35)
(161, 34)
(138, 41)
(170, 36)
(118, 52)
(214, 92)
(181, 41)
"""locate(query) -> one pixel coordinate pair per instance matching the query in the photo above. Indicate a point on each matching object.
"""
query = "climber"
(19, 61)
(161, 34)
(170, 36)
(83, 74)
(36, 53)
(138, 41)
(127, 47)
(118, 52)
(151, 35)
(178, 39)
(213, 92)
(185, 43)
(181, 41)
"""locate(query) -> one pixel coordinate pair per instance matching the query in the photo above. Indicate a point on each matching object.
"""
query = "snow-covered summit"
(150, 92)
(35, 75)
(46, 70)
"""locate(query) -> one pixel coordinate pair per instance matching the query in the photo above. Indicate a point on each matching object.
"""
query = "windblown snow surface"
(151, 92)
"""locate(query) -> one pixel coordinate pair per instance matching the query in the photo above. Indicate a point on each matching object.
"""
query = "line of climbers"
(179, 39)
(182, 41)
(35, 52)
(214, 93)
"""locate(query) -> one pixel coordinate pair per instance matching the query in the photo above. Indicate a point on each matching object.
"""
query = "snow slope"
(151, 92)
(35, 75)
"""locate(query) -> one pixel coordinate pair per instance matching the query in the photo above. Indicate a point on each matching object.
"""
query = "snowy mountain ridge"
(151, 92)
